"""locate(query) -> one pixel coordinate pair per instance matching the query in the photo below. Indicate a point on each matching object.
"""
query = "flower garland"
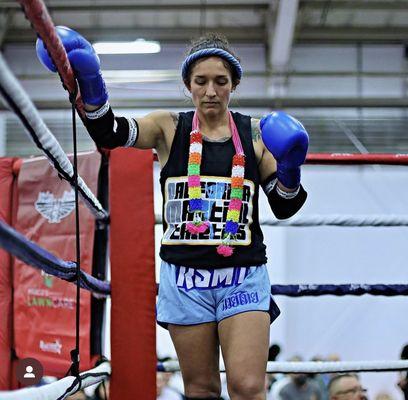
(194, 187)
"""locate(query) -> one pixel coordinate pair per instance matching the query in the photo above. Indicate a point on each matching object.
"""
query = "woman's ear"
(234, 86)
(187, 85)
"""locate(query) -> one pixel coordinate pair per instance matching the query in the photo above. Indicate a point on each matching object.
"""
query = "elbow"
(285, 208)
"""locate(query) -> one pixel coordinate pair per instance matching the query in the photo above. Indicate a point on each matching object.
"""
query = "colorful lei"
(194, 187)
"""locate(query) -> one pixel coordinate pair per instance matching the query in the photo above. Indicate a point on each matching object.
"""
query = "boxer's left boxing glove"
(287, 140)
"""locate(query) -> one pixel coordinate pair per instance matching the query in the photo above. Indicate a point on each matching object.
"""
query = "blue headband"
(214, 51)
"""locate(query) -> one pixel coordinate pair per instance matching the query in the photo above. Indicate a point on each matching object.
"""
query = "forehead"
(210, 66)
(348, 382)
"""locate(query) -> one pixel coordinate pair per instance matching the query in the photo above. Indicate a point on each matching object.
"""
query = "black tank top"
(179, 246)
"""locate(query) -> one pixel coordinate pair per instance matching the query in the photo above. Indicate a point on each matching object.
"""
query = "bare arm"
(265, 160)
(152, 129)
(157, 130)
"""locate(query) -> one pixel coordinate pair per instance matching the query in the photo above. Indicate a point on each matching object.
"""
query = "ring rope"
(29, 252)
(314, 367)
(36, 256)
(350, 159)
(62, 388)
(378, 220)
(36, 12)
(351, 289)
(25, 110)
(357, 159)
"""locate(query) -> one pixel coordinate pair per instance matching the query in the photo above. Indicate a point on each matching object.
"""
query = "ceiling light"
(139, 46)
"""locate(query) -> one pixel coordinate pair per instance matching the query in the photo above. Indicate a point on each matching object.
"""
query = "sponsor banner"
(6, 188)
(44, 306)
(216, 195)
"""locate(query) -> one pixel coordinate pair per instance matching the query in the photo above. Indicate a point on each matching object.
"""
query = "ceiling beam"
(249, 34)
(266, 102)
(173, 75)
(386, 5)
(281, 36)
(350, 34)
(96, 6)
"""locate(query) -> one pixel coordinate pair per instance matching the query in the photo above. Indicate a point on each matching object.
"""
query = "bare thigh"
(197, 348)
(244, 340)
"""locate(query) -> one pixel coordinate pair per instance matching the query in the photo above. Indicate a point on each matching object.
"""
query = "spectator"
(80, 395)
(346, 387)
(403, 382)
(383, 396)
(164, 390)
(300, 387)
(273, 353)
(320, 379)
(280, 380)
(102, 391)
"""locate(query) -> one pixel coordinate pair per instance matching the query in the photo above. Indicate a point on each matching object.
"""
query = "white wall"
(356, 328)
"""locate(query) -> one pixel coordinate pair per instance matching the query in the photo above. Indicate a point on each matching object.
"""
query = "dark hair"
(208, 41)
(404, 352)
(274, 351)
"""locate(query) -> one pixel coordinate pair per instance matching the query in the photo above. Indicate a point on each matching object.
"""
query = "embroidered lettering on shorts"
(192, 278)
(240, 299)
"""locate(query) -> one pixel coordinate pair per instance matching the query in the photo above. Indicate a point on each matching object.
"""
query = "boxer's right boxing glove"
(84, 61)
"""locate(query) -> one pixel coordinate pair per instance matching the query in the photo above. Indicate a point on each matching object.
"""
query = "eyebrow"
(205, 76)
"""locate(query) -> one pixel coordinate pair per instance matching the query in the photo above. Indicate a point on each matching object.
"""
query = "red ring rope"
(346, 158)
(37, 13)
(353, 159)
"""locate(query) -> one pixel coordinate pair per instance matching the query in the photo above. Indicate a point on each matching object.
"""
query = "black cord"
(75, 353)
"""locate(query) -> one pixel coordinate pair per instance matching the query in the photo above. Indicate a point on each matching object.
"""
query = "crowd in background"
(282, 386)
(302, 386)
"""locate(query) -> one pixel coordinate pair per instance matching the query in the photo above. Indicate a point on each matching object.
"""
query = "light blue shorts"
(190, 296)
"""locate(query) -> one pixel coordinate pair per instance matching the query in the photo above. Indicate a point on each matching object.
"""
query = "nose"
(210, 90)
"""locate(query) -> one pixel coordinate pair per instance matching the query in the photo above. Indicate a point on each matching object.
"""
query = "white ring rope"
(340, 220)
(317, 366)
(47, 141)
(333, 220)
(62, 388)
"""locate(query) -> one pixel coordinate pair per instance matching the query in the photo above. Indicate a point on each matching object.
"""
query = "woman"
(214, 285)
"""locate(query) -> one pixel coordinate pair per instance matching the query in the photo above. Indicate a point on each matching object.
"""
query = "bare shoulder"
(155, 127)
(265, 160)
(255, 130)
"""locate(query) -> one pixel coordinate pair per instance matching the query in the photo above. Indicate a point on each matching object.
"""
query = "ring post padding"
(6, 305)
(133, 336)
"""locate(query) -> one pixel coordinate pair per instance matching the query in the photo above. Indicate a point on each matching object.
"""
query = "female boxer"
(214, 286)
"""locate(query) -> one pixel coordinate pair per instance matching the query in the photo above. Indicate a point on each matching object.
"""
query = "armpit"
(175, 118)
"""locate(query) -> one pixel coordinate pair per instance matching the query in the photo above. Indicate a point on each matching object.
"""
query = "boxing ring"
(132, 267)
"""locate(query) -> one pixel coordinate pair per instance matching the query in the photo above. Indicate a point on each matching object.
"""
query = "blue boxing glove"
(84, 61)
(287, 140)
